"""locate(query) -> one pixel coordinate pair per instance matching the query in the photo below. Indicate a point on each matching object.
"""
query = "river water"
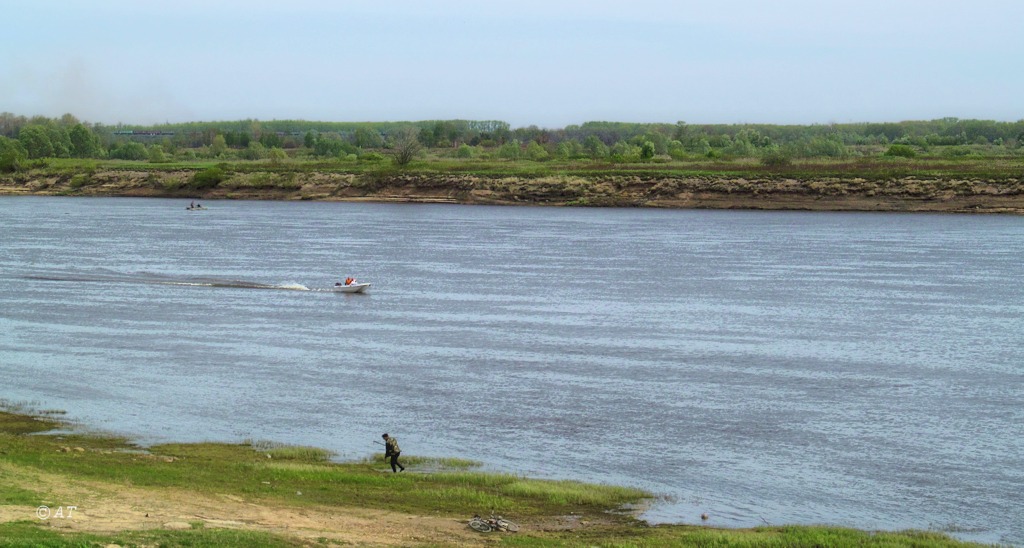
(864, 370)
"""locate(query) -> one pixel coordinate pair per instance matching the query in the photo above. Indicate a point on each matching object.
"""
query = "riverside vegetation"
(265, 494)
(941, 165)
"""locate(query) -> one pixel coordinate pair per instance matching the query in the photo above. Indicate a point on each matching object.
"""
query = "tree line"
(23, 139)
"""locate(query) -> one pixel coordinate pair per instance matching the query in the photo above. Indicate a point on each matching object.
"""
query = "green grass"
(12, 424)
(30, 534)
(761, 537)
(10, 495)
(571, 493)
(244, 469)
(279, 451)
(33, 535)
(872, 167)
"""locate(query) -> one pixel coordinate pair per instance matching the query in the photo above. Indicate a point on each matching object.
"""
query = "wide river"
(864, 370)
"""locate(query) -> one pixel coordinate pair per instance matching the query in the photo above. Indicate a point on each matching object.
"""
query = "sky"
(549, 63)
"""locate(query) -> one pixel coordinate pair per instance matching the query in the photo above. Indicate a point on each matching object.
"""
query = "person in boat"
(391, 450)
(192, 205)
(350, 281)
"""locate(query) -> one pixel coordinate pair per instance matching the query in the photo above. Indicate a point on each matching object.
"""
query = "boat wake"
(110, 276)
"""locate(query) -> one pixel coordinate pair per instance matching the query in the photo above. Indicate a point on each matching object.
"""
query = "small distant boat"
(193, 208)
(351, 288)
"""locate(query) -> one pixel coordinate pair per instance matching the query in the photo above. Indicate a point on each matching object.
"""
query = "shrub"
(156, 155)
(901, 151)
(536, 152)
(329, 146)
(464, 151)
(255, 151)
(371, 157)
(821, 147)
(647, 150)
(510, 151)
(775, 158)
(78, 181)
(209, 178)
(625, 152)
(277, 155)
(129, 151)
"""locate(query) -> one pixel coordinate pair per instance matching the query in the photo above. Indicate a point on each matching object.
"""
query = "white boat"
(194, 208)
(351, 288)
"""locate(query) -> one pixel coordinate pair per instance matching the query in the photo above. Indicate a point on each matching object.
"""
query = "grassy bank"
(263, 494)
(873, 167)
(960, 186)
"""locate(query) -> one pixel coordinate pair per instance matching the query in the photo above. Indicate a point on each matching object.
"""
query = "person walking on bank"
(391, 450)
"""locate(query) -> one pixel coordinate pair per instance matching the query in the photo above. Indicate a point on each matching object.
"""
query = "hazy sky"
(549, 63)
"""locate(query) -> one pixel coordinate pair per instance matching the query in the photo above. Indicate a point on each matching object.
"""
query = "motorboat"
(351, 288)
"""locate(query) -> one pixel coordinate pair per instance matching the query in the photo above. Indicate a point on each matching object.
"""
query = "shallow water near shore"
(854, 369)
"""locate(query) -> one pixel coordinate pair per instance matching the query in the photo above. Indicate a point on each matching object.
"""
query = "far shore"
(651, 189)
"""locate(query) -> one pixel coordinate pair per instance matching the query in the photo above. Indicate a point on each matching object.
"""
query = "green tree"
(595, 147)
(510, 151)
(625, 152)
(775, 157)
(270, 139)
(657, 140)
(255, 151)
(59, 140)
(536, 152)
(12, 155)
(647, 150)
(365, 137)
(36, 141)
(698, 145)
(218, 146)
(569, 149)
(465, 151)
(129, 150)
(427, 138)
(84, 143)
(741, 147)
(676, 150)
(170, 147)
(156, 154)
(328, 145)
(277, 156)
(309, 141)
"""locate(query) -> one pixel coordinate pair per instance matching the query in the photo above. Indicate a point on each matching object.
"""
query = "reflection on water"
(854, 369)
